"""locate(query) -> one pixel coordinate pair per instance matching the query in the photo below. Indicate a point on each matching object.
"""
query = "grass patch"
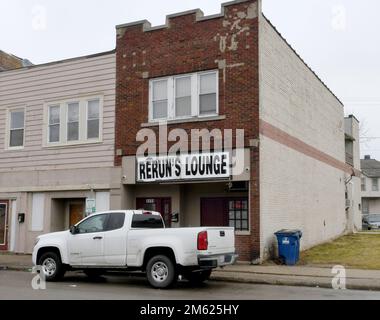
(360, 251)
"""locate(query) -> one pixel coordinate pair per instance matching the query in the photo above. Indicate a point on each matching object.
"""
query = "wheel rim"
(49, 267)
(160, 271)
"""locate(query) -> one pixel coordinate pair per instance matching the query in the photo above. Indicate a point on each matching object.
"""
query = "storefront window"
(238, 215)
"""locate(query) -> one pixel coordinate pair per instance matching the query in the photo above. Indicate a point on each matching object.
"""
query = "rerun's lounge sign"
(184, 167)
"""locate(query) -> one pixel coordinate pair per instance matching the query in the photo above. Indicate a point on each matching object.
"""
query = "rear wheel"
(161, 272)
(51, 266)
(198, 277)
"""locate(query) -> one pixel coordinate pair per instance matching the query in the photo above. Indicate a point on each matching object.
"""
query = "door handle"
(98, 238)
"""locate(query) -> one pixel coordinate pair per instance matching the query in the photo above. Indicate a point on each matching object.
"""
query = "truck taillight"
(203, 240)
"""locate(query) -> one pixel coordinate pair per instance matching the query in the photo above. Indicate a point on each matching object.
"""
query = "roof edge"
(147, 26)
(60, 61)
(303, 61)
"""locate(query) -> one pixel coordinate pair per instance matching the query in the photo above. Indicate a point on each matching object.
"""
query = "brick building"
(232, 70)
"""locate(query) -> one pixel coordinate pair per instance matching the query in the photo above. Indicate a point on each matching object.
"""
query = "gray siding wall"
(33, 88)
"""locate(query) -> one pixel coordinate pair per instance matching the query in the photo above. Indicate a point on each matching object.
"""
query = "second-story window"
(54, 123)
(74, 122)
(364, 184)
(184, 96)
(16, 128)
(207, 94)
(375, 184)
(160, 100)
(93, 119)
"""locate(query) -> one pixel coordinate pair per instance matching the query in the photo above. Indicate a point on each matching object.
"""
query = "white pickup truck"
(135, 241)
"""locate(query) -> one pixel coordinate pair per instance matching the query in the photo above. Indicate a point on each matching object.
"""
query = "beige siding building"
(370, 185)
(57, 146)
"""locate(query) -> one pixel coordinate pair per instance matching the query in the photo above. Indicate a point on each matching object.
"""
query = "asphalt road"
(17, 285)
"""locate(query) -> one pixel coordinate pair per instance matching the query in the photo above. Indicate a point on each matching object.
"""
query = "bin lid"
(287, 232)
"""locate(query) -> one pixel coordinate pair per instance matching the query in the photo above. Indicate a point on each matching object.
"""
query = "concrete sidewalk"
(268, 274)
(17, 262)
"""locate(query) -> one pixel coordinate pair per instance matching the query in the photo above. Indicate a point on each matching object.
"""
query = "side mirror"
(74, 230)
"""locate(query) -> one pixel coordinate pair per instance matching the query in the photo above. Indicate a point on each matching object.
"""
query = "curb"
(16, 268)
(292, 283)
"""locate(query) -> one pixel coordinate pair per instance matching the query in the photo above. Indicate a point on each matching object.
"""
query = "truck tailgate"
(221, 240)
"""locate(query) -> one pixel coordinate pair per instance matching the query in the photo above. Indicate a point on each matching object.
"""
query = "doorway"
(161, 205)
(225, 212)
(4, 205)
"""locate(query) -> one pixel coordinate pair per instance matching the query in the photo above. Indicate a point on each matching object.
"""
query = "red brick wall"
(184, 46)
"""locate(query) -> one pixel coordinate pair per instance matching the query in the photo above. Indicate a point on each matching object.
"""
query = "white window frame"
(195, 94)
(83, 115)
(8, 129)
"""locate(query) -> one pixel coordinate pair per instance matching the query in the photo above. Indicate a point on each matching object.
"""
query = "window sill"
(180, 121)
(242, 233)
(70, 145)
(14, 148)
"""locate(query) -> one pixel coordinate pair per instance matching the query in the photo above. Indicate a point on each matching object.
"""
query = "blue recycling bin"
(289, 246)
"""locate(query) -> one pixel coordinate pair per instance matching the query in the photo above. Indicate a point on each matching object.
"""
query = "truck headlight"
(36, 241)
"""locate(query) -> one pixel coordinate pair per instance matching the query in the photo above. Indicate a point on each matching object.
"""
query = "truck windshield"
(147, 221)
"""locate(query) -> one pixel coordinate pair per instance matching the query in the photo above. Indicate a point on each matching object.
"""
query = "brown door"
(4, 208)
(161, 205)
(214, 213)
(76, 213)
(224, 212)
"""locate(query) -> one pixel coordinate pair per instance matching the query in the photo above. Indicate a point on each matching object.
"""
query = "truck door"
(87, 247)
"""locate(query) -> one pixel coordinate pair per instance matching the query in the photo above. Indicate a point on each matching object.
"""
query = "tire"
(93, 274)
(52, 266)
(198, 277)
(161, 272)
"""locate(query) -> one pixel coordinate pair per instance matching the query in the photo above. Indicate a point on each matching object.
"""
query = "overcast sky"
(339, 39)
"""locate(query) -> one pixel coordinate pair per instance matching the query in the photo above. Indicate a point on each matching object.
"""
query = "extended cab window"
(147, 221)
(93, 224)
(115, 221)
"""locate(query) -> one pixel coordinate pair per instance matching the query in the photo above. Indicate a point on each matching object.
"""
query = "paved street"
(17, 285)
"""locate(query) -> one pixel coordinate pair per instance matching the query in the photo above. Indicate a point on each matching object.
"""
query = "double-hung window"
(74, 122)
(375, 184)
(54, 123)
(160, 99)
(207, 94)
(184, 96)
(93, 119)
(16, 128)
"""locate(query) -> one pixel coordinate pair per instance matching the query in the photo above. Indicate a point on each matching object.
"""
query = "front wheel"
(198, 277)
(161, 272)
(51, 266)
